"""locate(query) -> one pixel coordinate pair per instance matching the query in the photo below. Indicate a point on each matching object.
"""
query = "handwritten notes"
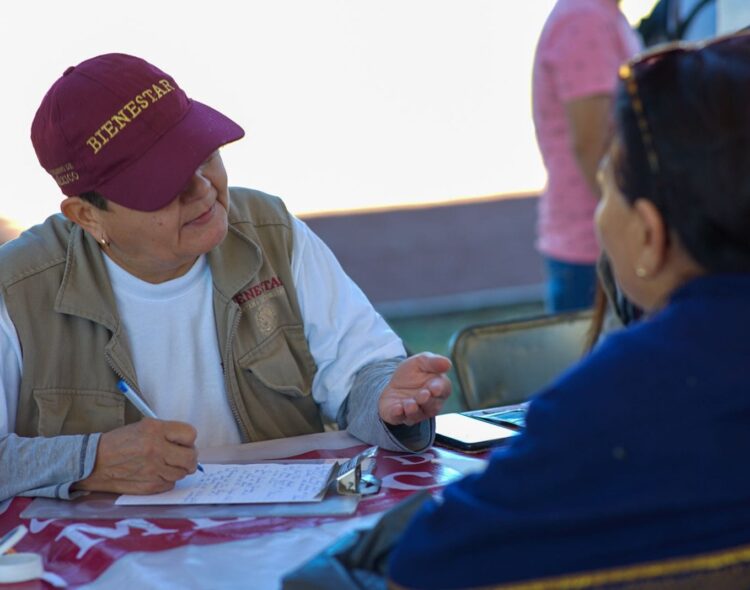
(256, 483)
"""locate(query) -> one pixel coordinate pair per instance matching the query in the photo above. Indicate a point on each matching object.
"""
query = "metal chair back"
(505, 362)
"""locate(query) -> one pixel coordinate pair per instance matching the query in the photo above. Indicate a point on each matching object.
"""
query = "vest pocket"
(67, 411)
(282, 363)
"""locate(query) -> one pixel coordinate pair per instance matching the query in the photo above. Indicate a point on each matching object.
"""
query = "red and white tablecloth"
(243, 552)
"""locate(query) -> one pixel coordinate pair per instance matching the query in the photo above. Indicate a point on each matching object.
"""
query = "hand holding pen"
(146, 457)
(141, 405)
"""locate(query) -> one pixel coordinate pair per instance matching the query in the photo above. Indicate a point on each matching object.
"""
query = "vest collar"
(85, 290)
(234, 263)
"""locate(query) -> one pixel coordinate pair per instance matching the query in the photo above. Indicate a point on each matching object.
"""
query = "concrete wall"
(439, 258)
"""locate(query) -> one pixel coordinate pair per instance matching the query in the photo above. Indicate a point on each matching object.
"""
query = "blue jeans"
(569, 286)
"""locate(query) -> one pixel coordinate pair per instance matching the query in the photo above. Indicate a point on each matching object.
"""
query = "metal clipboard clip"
(355, 476)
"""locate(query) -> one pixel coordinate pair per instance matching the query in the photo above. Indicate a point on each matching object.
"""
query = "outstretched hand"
(417, 390)
(143, 458)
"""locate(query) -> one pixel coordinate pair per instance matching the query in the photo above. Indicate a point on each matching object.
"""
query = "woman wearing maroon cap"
(211, 307)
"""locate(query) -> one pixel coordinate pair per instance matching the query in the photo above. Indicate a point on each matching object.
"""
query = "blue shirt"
(637, 453)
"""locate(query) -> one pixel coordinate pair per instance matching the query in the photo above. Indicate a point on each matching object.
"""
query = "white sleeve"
(11, 362)
(343, 330)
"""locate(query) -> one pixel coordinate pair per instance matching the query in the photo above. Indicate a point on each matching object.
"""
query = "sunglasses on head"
(633, 70)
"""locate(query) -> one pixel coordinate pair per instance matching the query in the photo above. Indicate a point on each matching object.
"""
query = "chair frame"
(458, 345)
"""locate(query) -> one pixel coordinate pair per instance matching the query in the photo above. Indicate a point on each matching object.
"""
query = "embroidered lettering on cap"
(64, 174)
(129, 111)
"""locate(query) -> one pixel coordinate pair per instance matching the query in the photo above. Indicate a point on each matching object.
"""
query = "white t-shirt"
(171, 333)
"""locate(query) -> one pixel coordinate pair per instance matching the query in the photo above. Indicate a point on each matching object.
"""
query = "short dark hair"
(95, 198)
(683, 142)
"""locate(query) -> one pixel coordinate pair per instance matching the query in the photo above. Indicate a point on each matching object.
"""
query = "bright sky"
(347, 104)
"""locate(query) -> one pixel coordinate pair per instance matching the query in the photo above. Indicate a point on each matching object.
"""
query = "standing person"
(631, 463)
(224, 312)
(575, 72)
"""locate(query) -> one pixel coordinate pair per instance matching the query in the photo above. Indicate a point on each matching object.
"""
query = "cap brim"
(157, 177)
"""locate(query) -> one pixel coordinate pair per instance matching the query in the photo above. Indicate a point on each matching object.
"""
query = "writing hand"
(417, 390)
(143, 458)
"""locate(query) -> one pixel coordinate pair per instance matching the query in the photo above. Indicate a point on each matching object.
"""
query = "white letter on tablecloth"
(76, 533)
(390, 481)
(411, 459)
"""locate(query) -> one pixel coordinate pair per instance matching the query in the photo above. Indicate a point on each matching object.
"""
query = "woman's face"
(159, 245)
(618, 227)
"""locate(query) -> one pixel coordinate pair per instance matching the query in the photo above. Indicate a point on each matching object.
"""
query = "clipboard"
(353, 479)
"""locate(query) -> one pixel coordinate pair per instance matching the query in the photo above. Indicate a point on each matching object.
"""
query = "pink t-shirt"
(580, 50)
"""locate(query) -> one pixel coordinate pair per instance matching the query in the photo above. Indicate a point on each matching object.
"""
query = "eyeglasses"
(648, 59)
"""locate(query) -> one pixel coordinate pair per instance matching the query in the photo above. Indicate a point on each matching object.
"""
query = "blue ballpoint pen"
(142, 407)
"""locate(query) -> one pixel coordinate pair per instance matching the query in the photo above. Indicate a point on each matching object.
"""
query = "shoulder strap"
(653, 28)
(683, 26)
(662, 25)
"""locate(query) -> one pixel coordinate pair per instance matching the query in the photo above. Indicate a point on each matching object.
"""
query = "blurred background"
(347, 104)
(400, 130)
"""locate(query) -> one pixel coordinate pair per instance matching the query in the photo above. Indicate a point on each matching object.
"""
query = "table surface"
(124, 552)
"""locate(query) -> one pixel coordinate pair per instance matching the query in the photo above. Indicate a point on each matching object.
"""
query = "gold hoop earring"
(104, 243)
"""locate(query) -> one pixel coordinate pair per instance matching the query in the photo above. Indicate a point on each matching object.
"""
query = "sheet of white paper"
(256, 483)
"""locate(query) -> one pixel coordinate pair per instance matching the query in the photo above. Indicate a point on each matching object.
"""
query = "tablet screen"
(469, 430)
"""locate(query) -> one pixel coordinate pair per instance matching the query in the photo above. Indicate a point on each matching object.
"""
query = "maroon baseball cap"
(122, 127)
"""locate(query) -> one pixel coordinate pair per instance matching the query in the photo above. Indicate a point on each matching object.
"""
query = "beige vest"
(55, 285)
